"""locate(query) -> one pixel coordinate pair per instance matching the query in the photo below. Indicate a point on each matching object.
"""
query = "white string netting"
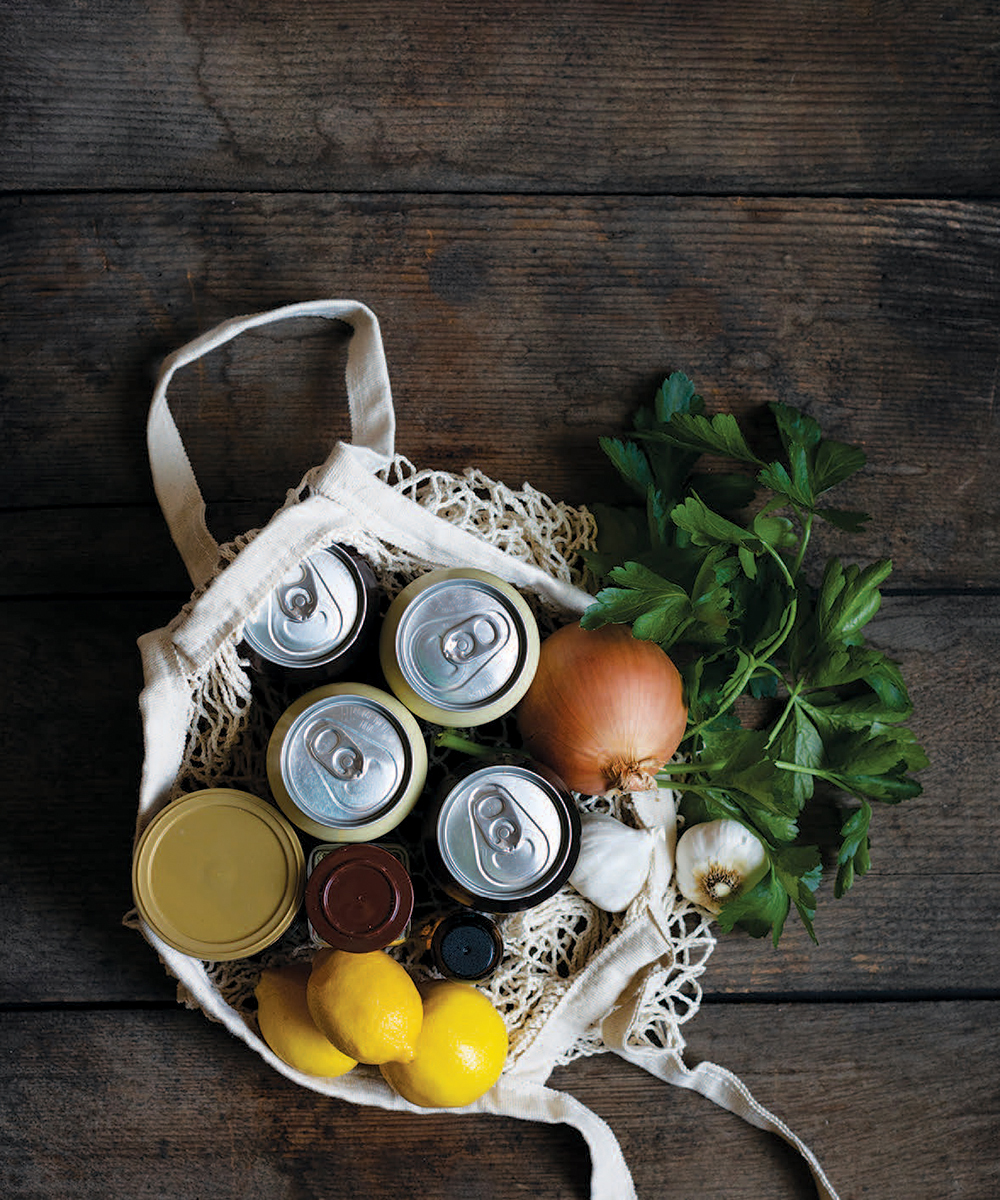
(234, 709)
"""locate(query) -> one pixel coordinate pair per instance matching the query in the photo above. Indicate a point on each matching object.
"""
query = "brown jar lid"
(359, 897)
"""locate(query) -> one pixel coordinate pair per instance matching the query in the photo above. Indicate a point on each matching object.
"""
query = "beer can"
(358, 897)
(320, 616)
(459, 647)
(503, 837)
(346, 762)
(218, 874)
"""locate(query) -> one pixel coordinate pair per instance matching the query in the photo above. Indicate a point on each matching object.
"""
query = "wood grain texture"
(549, 208)
(767, 97)
(143, 1103)
(517, 332)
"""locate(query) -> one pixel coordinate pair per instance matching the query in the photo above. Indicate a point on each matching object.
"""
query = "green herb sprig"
(710, 565)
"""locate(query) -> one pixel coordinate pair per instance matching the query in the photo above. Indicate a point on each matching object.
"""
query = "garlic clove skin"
(613, 863)
(718, 860)
(656, 810)
(655, 807)
(662, 867)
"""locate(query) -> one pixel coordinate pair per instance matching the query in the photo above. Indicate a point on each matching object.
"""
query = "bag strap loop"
(369, 396)
(715, 1083)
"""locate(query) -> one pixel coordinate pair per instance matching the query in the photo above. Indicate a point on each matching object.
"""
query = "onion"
(605, 710)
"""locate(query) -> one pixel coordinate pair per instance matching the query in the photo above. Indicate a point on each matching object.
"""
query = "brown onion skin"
(579, 721)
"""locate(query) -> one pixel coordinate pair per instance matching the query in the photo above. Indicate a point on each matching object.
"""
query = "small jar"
(358, 897)
(319, 619)
(346, 762)
(218, 874)
(466, 946)
(502, 837)
(459, 647)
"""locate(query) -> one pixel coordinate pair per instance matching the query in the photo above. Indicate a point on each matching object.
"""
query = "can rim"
(390, 814)
(552, 880)
(284, 905)
(346, 645)
(500, 702)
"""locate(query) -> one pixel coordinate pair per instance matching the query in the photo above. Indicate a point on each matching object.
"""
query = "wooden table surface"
(549, 208)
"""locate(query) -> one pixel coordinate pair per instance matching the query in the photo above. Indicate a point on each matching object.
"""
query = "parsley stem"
(451, 739)
(829, 776)
(786, 713)
(732, 693)
(738, 684)
(669, 770)
(697, 789)
(807, 524)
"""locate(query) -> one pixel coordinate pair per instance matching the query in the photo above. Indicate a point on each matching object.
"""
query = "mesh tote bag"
(575, 980)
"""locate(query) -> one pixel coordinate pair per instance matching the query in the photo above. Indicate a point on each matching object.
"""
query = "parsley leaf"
(630, 462)
(815, 465)
(657, 609)
(697, 434)
(853, 857)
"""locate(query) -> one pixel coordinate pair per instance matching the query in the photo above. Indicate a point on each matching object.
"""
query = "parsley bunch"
(710, 566)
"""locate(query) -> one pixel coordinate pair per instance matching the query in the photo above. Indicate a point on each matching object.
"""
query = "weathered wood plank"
(517, 332)
(525, 314)
(631, 98)
(72, 740)
(164, 1104)
(922, 921)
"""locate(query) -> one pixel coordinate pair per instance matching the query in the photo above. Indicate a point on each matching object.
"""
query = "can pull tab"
(302, 610)
(510, 847)
(298, 598)
(330, 746)
(449, 653)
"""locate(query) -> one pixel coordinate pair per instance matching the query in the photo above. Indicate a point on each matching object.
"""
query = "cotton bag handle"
(345, 497)
(369, 396)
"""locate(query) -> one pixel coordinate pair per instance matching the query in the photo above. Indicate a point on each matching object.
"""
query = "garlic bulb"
(614, 861)
(718, 860)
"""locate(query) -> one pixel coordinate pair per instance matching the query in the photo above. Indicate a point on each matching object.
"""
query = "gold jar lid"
(218, 874)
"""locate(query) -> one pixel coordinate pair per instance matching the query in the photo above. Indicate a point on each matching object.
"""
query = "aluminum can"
(218, 874)
(503, 837)
(319, 618)
(358, 897)
(459, 647)
(346, 762)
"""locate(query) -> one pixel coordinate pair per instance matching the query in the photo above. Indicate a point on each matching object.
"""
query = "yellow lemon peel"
(460, 1052)
(287, 1026)
(366, 1004)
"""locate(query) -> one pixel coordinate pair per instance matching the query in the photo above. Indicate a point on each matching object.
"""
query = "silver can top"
(461, 644)
(507, 836)
(314, 614)
(345, 761)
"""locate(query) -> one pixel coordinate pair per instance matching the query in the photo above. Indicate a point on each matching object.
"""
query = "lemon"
(460, 1052)
(366, 1004)
(287, 1027)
